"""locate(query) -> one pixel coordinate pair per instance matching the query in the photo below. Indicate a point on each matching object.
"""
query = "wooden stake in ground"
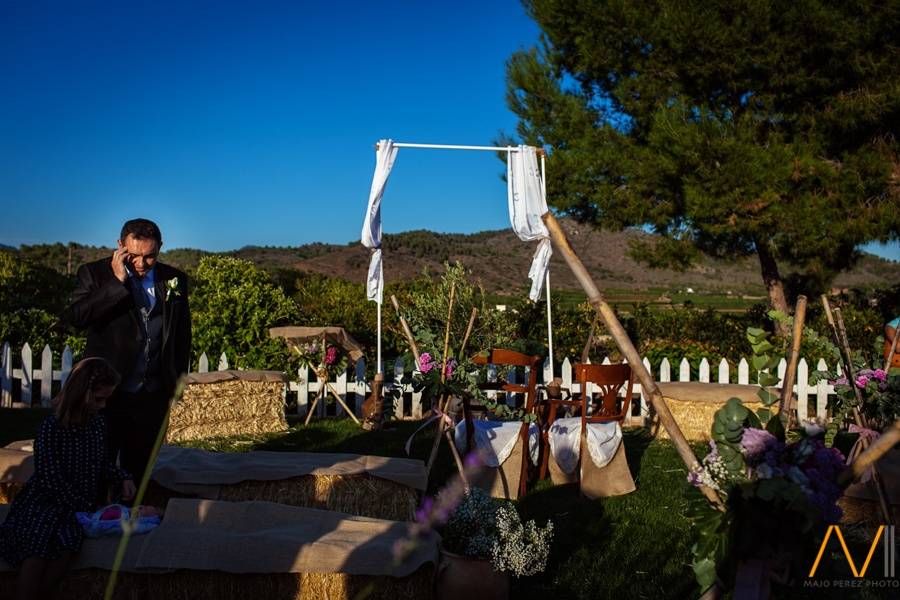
(850, 373)
(441, 403)
(441, 430)
(787, 387)
(626, 347)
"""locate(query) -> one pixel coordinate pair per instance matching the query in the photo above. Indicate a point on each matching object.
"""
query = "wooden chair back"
(607, 381)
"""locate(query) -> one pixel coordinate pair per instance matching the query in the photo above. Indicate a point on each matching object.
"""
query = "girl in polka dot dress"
(71, 472)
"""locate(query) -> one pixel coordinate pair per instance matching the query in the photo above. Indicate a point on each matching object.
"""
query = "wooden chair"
(607, 380)
(601, 405)
(513, 360)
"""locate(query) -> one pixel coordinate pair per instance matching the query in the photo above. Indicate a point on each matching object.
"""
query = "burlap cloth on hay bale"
(372, 486)
(694, 405)
(217, 544)
(225, 403)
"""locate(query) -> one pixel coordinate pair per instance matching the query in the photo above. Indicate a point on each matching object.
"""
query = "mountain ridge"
(497, 258)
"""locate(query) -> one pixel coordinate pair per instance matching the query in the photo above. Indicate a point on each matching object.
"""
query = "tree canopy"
(730, 128)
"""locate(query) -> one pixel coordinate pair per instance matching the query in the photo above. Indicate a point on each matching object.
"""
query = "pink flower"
(425, 362)
(330, 355)
(861, 381)
(879, 374)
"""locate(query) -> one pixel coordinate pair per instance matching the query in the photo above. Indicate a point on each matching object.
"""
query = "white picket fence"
(352, 386)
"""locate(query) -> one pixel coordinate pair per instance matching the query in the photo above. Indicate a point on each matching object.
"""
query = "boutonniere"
(172, 288)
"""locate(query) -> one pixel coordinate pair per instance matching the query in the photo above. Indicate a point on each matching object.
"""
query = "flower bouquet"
(777, 494)
(323, 358)
(485, 528)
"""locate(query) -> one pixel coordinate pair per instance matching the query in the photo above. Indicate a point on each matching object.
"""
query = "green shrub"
(233, 306)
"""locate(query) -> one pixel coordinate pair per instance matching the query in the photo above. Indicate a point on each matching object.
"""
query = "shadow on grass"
(635, 546)
(20, 424)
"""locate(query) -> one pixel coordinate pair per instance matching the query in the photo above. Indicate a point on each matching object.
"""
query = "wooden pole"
(844, 346)
(787, 388)
(586, 352)
(893, 350)
(462, 349)
(447, 332)
(411, 340)
(313, 407)
(441, 403)
(849, 372)
(611, 321)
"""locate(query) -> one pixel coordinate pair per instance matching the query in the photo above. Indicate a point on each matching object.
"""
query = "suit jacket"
(105, 307)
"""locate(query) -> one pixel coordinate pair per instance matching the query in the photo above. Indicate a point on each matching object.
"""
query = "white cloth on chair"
(565, 442)
(496, 439)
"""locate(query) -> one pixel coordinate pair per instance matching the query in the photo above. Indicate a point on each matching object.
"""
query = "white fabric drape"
(565, 442)
(496, 440)
(371, 229)
(526, 205)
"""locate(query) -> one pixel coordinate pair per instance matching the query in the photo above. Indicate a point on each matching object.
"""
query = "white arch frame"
(509, 150)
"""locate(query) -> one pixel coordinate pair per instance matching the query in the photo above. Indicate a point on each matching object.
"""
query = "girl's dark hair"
(87, 376)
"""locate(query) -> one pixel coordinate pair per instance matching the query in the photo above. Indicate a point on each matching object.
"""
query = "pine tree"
(730, 128)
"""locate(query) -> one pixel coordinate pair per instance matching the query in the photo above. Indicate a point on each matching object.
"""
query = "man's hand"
(128, 490)
(119, 259)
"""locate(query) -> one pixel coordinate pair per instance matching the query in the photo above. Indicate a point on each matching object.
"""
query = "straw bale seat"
(16, 466)
(694, 405)
(229, 550)
(368, 486)
(224, 403)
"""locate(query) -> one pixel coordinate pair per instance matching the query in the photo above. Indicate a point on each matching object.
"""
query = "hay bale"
(360, 495)
(214, 585)
(9, 490)
(693, 405)
(226, 403)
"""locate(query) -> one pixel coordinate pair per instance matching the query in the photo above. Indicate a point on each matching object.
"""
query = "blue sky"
(236, 123)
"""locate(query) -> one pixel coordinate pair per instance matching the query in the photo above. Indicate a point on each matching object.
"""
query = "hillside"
(497, 258)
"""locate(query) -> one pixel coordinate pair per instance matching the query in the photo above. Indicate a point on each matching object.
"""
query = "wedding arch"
(526, 199)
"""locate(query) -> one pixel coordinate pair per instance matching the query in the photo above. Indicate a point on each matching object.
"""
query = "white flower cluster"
(471, 527)
(521, 550)
(712, 473)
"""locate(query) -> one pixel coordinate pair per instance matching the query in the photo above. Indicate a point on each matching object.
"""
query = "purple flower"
(755, 442)
(451, 365)
(879, 374)
(839, 381)
(861, 381)
(425, 362)
(424, 512)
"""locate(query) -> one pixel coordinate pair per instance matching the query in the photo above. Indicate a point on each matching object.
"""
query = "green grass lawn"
(634, 546)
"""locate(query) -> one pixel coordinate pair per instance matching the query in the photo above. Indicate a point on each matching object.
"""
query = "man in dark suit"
(135, 311)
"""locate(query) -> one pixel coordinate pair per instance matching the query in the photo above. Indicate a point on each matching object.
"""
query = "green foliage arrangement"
(232, 307)
(777, 495)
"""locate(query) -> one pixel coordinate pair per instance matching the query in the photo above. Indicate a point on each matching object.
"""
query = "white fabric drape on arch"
(527, 203)
(371, 229)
